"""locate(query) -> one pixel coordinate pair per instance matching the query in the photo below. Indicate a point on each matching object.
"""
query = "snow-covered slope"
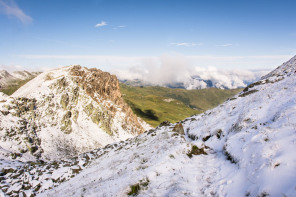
(7, 78)
(65, 112)
(250, 143)
(244, 147)
(23, 75)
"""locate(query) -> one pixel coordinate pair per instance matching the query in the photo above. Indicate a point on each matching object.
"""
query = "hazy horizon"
(119, 35)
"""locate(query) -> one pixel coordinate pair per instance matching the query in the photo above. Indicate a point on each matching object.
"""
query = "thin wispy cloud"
(10, 8)
(224, 45)
(118, 26)
(186, 44)
(102, 24)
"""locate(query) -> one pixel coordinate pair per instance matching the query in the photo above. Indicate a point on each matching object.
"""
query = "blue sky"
(116, 34)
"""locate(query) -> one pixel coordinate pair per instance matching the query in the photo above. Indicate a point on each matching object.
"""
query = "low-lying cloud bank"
(179, 72)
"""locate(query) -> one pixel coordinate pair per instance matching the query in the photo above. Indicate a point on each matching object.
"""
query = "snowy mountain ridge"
(287, 68)
(64, 112)
(244, 147)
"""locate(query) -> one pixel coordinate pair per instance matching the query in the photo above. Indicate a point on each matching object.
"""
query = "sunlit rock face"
(65, 112)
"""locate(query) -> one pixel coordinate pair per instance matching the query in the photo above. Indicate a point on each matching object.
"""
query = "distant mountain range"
(7, 78)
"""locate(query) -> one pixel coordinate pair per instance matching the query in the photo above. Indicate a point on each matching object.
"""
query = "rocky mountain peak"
(64, 112)
(102, 85)
(3, 73)
(96, 82)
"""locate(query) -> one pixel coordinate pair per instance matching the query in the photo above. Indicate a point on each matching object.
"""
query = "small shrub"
(164, 123)
(143, 161)
(193, 137)
(175, 134)
(248, 93)
(144, 182)
(134, 190)
(151, 131)
(219, 132)
(196, 151)
(266, 139)
(206, 138)
(263, 194)
(137, 187)
(252, 85)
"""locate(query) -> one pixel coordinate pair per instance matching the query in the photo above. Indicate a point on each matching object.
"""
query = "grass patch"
(156, 104)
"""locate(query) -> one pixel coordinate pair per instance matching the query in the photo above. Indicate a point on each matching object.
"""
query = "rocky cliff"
(101, 85)
(64, 112)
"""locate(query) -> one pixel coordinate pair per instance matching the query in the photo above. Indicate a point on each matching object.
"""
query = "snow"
(7, 78)
(3, 96)
(23, 75)
(40, 84)
(249, 140)
(45, 122)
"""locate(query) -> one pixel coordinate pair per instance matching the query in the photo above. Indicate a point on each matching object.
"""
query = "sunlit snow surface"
(251, 140)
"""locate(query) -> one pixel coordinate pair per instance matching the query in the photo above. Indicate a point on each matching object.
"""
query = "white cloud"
(10, 8)
(176, 69)
(109, 63)
(103, 23)
(121, 26)
(186, 44)
(229, 78)
(224, 45)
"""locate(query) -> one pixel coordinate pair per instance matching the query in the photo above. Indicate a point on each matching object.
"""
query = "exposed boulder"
(179, 129)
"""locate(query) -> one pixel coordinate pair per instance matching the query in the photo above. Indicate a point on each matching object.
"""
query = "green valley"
(156, 104)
